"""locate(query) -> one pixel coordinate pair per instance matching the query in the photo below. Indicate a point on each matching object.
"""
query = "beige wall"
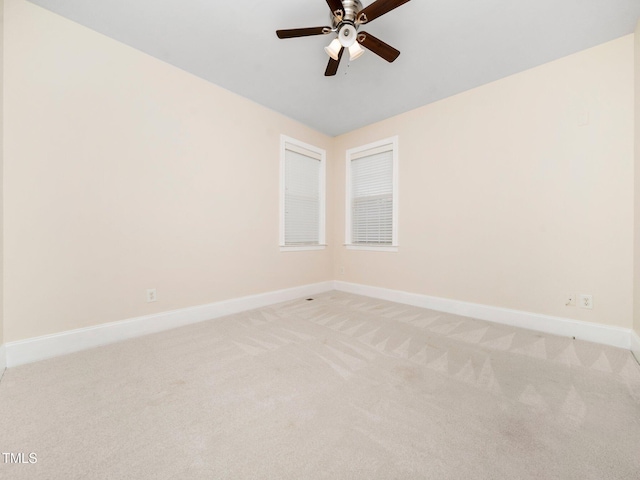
(124, 173)
(506, 200)
(636, 294)
(1, 170)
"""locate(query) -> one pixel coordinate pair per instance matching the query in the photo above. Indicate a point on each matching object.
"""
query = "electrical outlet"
(151, 295)
(341, 270)
(570, 300)
(586, 301)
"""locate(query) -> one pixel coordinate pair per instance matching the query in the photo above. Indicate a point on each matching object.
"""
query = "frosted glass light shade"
(333, 50)
(355, 51)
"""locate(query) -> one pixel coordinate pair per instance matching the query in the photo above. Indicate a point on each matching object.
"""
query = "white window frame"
(297, 144)
(358, 152)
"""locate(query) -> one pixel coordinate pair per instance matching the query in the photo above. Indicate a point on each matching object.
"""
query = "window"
(372, 196)
(302, 196)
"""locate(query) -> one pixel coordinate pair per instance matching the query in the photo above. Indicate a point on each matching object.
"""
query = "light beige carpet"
(341, 387)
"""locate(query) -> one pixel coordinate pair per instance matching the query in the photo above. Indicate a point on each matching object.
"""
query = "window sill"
(301, 248)
(374, 248)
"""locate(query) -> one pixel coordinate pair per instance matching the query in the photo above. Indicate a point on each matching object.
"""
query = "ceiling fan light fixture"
(333, 50)
(355, 51)
(346, 18)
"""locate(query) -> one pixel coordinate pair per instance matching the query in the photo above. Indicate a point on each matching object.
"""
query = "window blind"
(372, 198)
(301, 198)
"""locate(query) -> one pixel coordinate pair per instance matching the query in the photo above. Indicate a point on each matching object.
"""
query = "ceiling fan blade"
(378, 47)
(336, 5)
(303, 32)
(377, 9)
(332, 67)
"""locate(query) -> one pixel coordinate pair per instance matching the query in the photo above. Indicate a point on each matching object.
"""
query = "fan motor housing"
(351, 9)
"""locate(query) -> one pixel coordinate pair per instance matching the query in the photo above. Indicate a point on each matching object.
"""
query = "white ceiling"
(448, 46)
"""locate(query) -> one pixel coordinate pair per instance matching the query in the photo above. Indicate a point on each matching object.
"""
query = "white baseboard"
(3, 360)
(30, 350)
(48, 346)
(635, 345)
(592, 332)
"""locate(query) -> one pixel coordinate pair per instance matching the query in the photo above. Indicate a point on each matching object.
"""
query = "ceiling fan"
(346, 18)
